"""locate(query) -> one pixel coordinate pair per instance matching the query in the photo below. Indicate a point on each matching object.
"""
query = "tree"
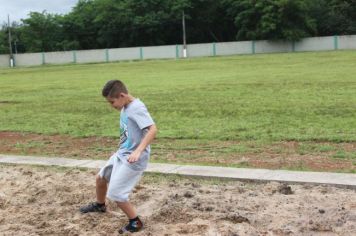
(16, 42)
(4, 43)
(335, 17)
(127, 23)
(208, 22)
(140, 22)
(79, 25)
(270, 19)
(42, 32)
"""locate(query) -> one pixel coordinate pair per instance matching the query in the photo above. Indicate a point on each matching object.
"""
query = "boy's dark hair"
(114, 87)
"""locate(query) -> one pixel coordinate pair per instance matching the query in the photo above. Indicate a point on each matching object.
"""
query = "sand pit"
(45, 201)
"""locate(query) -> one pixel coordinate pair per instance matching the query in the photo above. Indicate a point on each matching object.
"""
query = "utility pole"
(184, 39)
(10, 46)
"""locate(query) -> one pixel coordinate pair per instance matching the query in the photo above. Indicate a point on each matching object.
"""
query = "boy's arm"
(150, 135)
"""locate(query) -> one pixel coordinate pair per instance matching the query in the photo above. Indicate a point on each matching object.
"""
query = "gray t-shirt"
(134, 121)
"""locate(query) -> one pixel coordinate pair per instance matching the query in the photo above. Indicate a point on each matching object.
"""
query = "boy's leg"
(135, 224)
(128, 209)
(102, 180)
(101, 189)
(122, 182)
(99, 205)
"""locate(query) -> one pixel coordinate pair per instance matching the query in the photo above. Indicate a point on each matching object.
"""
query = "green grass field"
(274, 97)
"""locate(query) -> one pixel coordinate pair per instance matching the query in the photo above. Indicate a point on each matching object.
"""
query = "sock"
(100, 204)
(134, 225)
(134, 219)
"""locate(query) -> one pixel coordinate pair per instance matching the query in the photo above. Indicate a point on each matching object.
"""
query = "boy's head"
(116, 93)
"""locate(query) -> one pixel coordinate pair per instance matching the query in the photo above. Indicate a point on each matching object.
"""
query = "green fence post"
(293, 46)
(74, 57)
(253, 46)
(141, 53)
(43, 58)
(336, 42)
(177, 51)
(214, 49)
(107, 55)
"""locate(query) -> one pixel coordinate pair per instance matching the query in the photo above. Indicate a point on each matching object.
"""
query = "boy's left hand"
(134, 156)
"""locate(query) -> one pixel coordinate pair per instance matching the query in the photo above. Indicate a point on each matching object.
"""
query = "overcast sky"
(18, 9)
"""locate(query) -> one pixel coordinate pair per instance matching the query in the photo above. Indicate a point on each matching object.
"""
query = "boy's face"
(117, 102)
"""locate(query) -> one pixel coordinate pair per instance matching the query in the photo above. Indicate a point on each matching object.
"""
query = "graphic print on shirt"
(124, 134)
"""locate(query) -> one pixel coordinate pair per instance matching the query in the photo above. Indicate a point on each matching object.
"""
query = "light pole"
(10, 46)
(184, 39)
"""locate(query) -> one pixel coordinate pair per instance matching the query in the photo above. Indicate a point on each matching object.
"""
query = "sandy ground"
(45, 201)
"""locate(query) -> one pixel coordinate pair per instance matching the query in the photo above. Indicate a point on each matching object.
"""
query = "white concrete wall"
(118, 54)
(88, 56)
(193, 50)
(200, 50)
(180, 50)
(315, 44)
(265, 46)
(347, 42)
(232, 48)
(28, 59)
(59, 57)
(4, 60)
(159, 52)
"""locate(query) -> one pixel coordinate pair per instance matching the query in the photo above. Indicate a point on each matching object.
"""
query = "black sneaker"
(93, 207)
(132, 227)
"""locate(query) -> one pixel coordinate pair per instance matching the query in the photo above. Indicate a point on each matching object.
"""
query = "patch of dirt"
(281, 155)
(285, 189)
(45, 201)
(56, 145)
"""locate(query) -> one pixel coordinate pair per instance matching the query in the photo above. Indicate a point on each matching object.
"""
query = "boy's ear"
(117, 96)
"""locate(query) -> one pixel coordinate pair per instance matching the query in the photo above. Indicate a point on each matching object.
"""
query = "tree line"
(128, 23)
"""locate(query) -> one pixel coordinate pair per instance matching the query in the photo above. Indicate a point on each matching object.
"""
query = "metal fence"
(176, 51)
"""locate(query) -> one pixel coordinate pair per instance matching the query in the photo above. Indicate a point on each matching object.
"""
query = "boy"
(124, 169)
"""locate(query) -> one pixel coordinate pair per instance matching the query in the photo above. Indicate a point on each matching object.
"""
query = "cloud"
(19, 9)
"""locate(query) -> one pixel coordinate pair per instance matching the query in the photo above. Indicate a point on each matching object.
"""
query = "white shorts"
(121, 178)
